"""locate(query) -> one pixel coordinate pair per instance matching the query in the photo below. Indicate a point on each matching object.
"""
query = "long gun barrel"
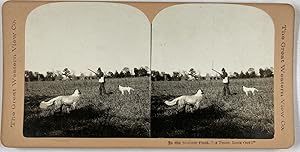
(216, 71)
(92, 71)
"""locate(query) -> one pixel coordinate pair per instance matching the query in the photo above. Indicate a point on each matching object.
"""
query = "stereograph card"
(147, 74)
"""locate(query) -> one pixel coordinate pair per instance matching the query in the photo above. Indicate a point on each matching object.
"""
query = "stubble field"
(117, 115)
(236, 116)
(113, 115)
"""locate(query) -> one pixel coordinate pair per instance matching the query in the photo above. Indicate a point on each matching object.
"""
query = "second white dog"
(247, 90)
(123, 89)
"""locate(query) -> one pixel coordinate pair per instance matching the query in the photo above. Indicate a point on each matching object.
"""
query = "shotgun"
(216, 71)
(93, 71)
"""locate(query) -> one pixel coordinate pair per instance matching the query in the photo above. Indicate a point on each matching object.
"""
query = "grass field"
(114, 115)
(117, 115)
(236, 116)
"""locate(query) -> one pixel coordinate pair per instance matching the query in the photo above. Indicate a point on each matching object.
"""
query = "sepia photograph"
(87, 71)
(182, 75)
(102, 70)
(212, 72)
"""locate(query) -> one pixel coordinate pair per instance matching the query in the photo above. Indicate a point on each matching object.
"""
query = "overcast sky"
(86, 35)
(206, 36)
(114, 36)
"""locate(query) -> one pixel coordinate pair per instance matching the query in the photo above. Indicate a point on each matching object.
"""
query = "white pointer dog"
(59, 101)
(184, 101)
(123, 89)
(247, 90)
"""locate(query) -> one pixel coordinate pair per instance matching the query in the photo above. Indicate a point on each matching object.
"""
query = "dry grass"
(236, 116)
(113, 115)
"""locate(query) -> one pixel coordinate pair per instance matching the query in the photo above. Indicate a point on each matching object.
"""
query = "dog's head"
(43, 105)
(77, 92)
(200, 92)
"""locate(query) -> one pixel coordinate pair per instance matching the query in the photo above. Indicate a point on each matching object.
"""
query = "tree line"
(66, 74)
(193, 75)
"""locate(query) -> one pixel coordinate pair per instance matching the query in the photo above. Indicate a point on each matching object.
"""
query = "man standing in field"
(100, 76)
(225, 78)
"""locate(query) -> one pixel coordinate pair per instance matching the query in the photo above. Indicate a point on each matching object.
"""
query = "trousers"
(102, 89)
(226, 90)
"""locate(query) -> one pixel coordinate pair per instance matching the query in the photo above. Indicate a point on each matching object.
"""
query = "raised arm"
(224, 75)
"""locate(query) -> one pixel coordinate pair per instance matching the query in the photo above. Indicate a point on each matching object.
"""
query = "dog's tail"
(171, 103)
(45, 105)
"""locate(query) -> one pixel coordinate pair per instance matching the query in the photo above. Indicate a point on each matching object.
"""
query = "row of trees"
(193, 75)
(137, 72)
(66, 74)
(263, 73)
(50, 76)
